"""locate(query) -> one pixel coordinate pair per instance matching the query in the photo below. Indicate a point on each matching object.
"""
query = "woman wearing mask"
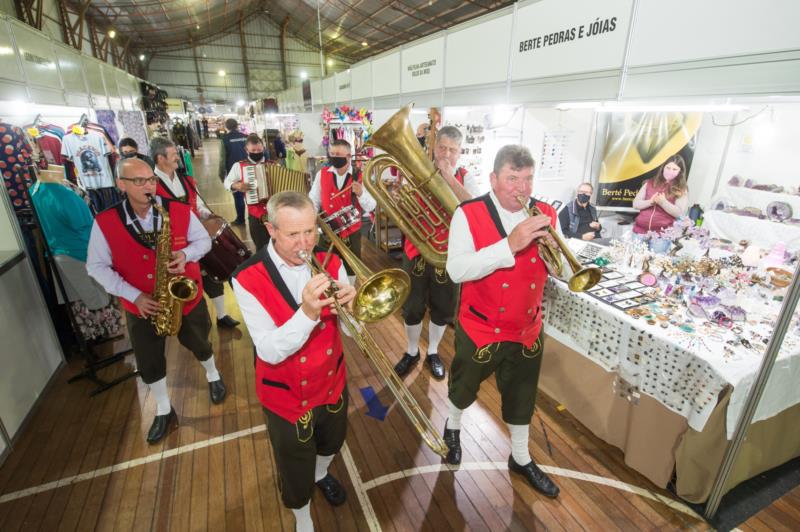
(129, 148)
(663, 198)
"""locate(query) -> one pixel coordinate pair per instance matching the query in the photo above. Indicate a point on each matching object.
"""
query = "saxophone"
(171, 291)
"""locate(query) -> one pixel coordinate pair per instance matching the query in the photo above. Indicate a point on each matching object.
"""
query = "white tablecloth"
(762, 233)
(683, 371)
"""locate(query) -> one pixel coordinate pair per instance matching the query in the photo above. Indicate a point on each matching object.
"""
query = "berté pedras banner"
(636, 145)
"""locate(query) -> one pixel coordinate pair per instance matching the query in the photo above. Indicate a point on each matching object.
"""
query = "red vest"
(315, 375)
(135, 261)
(331, 204)
(505, 305)
(653, 218)
(189, 185)
(256, 210)
(409, 248)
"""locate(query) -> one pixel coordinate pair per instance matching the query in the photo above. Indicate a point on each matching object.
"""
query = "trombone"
(582, 278)
(378, 296)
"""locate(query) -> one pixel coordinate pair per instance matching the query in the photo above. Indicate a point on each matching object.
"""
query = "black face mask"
(583, 198)
(128, 155)
(256, 156)
(338, 162)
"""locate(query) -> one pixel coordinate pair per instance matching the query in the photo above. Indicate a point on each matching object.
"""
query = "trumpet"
(379, 295)
(582, 278)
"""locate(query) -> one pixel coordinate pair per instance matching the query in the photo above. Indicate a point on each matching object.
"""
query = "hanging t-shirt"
(14, 160)
(88, 153)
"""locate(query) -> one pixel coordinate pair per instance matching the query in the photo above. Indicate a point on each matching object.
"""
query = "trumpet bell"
(381, 295)
(584, 279)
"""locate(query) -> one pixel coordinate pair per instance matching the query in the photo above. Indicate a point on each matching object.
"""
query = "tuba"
(582, 278)
(378, 296)
(424, 203)
(171, 291)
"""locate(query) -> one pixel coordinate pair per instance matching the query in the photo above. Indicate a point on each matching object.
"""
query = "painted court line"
(361, 491)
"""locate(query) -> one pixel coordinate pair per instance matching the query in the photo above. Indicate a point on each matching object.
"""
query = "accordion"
(265, 180)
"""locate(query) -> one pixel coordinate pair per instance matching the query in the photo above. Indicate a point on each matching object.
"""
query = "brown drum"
(343, 218)
(227, 251)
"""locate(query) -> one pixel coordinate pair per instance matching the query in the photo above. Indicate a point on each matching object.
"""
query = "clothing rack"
(93, 362)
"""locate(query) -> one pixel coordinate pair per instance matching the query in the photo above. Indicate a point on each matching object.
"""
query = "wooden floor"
(216, 472)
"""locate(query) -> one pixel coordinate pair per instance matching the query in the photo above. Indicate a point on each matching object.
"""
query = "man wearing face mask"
(235, 182)
(336, 187)
(129, 148)
(579, 218)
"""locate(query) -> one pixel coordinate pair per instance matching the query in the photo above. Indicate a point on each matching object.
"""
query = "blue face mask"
(584, 198)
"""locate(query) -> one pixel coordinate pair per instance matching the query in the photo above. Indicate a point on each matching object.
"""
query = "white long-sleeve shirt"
(173, 183)
(235, 174)
(366, 200)
(100, 266)
(274, 344)
(466, 264)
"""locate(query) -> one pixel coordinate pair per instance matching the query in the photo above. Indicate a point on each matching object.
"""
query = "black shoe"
(535, 477)
(161, 426)
(405, 364)
(436, 365)
(237, 222)
(217, 391)
(333, 491)
(227, 321)
(452, 438)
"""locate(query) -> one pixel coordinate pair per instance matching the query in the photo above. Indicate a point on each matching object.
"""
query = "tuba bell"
(423, 204)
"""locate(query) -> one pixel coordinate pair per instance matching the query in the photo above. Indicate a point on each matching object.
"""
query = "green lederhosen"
(148, 347)
(516, 371)
(211, 287)
(321, 431)
(431, 288)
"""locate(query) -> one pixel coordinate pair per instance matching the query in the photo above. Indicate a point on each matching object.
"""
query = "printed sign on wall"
(557, 37)
(422, 66)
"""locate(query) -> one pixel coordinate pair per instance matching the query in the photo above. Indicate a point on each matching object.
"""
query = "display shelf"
(742, 197)
(763, 233)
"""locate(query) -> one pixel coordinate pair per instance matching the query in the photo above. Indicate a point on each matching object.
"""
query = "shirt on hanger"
(88, 152)
(14, 160)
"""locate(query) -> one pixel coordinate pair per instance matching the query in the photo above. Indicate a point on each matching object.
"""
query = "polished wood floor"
(86, 466)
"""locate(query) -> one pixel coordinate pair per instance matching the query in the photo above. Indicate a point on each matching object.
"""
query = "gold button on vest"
(302, 360)
(497, 329)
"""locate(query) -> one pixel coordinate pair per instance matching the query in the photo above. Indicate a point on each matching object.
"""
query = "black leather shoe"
(436, 365)
(161, 426)
(452, 438)
(535, 477)
(237, 222)
(405, 364)
(332, 490)
(227, 321)
(217, 391)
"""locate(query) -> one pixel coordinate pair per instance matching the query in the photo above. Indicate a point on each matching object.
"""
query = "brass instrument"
(379, 295)
(424, 203)
(265, 180)
(171, 291)
(582, 278)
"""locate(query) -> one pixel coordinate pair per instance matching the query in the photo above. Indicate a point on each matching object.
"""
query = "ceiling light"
(303, 75)
(204, 55)
(112, 34)
(221, 73)
(330, 62)
(197, 26)
(240, 103)
(141, 57)
(363, 43)
(639, 107)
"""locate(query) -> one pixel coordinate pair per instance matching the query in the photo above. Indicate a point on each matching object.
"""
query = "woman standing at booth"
(663, 198)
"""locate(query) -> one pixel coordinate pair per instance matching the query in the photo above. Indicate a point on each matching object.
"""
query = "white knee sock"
(211, 369)
(435, 333)
(219, 304)
(453, 416)
(413, 332)
(519, 443)
(321, 468)
(160, 394)
(302, 517)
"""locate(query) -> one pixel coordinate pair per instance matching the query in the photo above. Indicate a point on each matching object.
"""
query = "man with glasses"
(579, 218)
(122, 258)
(176, 185)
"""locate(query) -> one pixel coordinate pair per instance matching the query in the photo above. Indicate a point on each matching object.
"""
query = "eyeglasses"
(141, 181)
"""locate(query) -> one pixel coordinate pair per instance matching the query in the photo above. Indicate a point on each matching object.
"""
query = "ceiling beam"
(243, 42)
(284, 25)
(29, 12)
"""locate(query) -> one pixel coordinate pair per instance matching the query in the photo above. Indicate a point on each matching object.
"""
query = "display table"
(763, 233)
(659, 393)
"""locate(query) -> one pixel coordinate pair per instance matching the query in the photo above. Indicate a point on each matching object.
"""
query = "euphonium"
(423, 204)
(582, 278)
(171, 291)
(379, 295)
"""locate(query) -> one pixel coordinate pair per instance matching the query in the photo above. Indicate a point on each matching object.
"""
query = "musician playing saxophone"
(493, 253)
(122, 258)
(339, 186)
(235, 182)
(300, 369)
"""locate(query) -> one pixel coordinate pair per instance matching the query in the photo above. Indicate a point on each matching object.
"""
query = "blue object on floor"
(374, 407)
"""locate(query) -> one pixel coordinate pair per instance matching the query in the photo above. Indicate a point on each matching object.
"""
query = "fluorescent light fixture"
(636, 107)
(240, 103)
(577, 105)
(112, 34)
(364, 43)
(303, 75)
